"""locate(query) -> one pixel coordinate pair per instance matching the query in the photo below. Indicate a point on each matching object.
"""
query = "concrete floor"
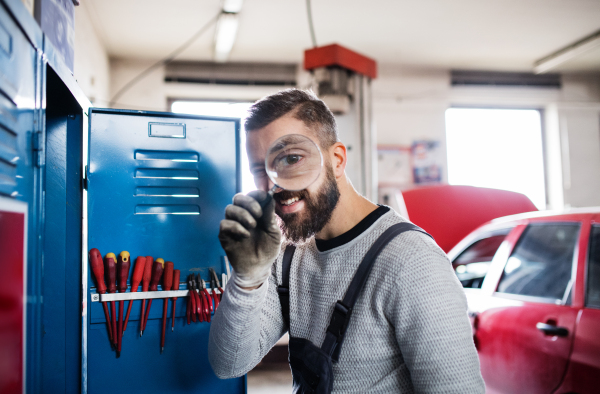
(272, 375)
(270, 381)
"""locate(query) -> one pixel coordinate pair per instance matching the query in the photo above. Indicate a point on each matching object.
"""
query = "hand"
(251, 238)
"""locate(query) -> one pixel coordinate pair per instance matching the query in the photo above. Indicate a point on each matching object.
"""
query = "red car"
(533, 286)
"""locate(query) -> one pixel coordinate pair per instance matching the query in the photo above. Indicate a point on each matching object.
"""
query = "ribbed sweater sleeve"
(245, 327)
(428, 310)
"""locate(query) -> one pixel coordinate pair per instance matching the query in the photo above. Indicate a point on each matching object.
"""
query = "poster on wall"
(427, 162)
(394, 166)
(13, 253)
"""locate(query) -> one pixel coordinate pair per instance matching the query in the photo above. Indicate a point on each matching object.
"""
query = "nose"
(270, 186)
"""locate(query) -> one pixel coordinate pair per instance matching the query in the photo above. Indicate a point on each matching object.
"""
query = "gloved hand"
(251, 238)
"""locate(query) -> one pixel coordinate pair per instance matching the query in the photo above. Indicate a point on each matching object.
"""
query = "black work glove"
(251, 238)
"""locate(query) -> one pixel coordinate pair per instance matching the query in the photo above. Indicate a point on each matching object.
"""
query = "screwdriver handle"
(138, 273)
(110, 269)
(176, 276)
(147, 273)
(157, 271)
(168, 276)
(98, 270)
(123, 265)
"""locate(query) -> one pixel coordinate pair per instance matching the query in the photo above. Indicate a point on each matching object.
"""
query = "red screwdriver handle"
(147, 273)
(176, 275)
(138, 273)
(168, 276)
(98, 270)
(157, 272)
(123, 265)
(110, 269)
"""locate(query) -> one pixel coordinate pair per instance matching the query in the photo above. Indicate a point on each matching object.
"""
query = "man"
(408, 330)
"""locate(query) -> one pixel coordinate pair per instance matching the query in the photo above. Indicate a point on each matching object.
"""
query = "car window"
(541, 263)
(473, 263)
(593, 273)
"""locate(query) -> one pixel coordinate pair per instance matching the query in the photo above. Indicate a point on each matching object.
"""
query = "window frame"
(574, 262)
(587, 269)
(487, 234)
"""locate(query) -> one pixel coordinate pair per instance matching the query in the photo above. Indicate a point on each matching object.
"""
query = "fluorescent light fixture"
(567, 53)
(227, 26)
(232, 6)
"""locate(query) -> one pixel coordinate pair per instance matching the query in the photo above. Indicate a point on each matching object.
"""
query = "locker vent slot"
(167, 210)
(166, 173)
(8, 181)
(166, 155)
(8, 145)
(167, 192)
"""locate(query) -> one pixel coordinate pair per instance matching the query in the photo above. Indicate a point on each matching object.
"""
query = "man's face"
(303, 213)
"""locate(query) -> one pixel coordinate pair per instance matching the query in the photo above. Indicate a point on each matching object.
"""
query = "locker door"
(158, 185)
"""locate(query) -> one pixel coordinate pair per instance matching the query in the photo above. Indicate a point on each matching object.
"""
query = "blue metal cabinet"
(20, 143)
(158, 185)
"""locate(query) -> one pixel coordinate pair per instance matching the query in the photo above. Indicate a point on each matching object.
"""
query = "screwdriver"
(145, 283)
(138, 271)
(176, 274)
(157, 271)
(123, 264)
(167, 284)
(110, 269)
(98, 270)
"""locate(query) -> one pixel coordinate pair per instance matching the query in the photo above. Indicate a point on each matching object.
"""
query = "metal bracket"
(38, 148)
(142, 295)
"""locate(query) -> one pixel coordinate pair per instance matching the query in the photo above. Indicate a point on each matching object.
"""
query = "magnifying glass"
(293, 163)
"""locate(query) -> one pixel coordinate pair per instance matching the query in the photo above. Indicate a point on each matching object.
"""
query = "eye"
(291, 159)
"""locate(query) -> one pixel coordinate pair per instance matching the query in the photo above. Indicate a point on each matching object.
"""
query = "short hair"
(306, 106)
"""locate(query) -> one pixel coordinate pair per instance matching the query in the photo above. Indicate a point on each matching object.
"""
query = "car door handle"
(549, 329)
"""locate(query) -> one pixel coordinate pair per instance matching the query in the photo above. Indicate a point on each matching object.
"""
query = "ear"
(338, 157)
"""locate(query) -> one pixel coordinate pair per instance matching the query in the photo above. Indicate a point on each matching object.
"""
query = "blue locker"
(157, 185)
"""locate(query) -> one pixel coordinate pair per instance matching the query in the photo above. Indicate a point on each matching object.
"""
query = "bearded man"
(403, 320)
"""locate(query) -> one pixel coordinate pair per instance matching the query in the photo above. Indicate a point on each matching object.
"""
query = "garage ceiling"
(505, 35)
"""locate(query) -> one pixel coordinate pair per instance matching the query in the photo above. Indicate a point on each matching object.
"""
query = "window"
(473, 263)
(227, 110)
(497, 148)
(592, 298)
(541, 264)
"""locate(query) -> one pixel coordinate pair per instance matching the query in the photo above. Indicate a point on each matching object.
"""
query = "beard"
(297, 227)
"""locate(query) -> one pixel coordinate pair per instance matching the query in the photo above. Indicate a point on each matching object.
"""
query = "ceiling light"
(225, 36)
(232, 6)
(567, 53)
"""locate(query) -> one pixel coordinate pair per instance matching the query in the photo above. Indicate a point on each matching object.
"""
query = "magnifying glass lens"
(293, 162)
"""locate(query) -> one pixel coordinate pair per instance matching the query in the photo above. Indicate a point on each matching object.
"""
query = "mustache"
(286, 195)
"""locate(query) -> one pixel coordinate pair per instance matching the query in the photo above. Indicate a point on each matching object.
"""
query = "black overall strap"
(284, 289)
(343, 309)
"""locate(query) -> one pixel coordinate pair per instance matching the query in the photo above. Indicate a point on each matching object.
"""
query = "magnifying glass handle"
(269, 197)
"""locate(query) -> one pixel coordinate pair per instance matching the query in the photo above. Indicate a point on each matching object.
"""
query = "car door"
(583, 375)
(525, 329)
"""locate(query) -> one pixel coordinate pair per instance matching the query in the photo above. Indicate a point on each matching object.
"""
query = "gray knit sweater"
(409, 331)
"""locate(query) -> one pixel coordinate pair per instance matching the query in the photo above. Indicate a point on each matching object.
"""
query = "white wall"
(410, 104)
(91, 68)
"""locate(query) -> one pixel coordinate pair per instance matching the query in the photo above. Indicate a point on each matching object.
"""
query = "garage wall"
(91, 67)
(410, 104)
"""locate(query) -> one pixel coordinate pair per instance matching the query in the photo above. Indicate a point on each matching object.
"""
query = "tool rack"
(146, 182)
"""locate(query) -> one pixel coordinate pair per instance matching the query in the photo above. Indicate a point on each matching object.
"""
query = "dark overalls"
(311, 366)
